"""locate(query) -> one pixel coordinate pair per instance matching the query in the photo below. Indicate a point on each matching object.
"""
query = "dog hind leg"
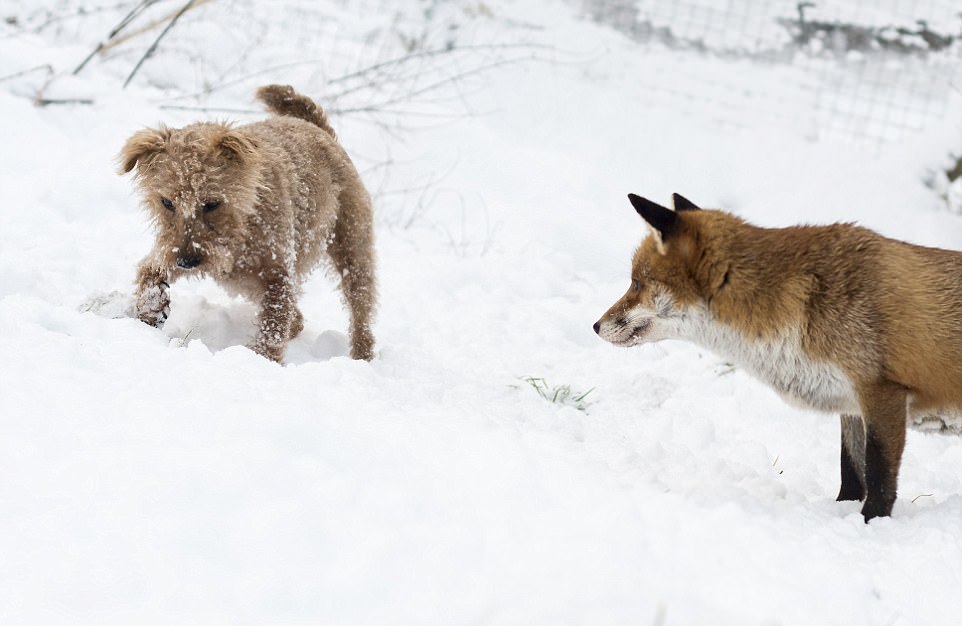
(352, 252)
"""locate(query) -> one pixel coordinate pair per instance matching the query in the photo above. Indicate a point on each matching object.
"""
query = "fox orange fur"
(835, 318)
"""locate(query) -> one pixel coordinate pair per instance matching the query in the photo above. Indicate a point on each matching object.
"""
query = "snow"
(173, 476)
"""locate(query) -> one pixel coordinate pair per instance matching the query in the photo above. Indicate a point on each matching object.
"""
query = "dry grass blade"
(559, 394)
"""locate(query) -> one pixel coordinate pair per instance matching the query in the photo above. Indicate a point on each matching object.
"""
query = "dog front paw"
(274, 352)
(153, 305)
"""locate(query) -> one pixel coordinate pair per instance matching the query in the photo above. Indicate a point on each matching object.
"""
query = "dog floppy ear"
(141, 147)
(681, 203)
(237, 146)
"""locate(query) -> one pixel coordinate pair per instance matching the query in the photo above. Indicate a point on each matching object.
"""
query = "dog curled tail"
(283, 100)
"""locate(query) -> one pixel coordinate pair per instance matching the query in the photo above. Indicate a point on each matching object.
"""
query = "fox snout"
(612, 330)
(616, 330)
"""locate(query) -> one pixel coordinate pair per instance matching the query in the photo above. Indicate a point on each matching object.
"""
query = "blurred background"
(869, 73)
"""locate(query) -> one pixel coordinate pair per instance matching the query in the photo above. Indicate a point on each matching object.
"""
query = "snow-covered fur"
(256, 207)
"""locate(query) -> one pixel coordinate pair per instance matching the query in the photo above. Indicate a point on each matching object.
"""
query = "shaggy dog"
(256, 207)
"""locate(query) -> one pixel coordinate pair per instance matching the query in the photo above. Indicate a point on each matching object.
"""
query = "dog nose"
(188, 262)
(597, 327)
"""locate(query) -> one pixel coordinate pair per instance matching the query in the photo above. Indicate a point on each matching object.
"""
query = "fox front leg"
(884, 408)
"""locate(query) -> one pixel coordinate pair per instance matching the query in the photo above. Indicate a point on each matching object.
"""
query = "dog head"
(199, 184)
(663, 289)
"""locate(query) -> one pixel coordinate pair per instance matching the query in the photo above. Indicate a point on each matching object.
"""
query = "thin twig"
(153, 46)
(146, 27)
(274, 69)
(268, 70)
(42, 102)
(428, 88)
(137, 10)
(82, 13)
(379, 78)
(429, 53)
(93, 53)
(25, 72)
(398, 112)
(179, 107)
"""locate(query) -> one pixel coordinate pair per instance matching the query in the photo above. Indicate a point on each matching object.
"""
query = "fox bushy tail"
(283, 100)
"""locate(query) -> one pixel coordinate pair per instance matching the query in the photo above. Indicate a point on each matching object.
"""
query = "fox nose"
(597, 327)
(188, 262)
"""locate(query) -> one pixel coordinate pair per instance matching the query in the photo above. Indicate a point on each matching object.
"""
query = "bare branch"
(268, 70)
(137, 10)
(147, 27)
(79, 14)
(372, 69)
(428, 88)
(178, 107)
(153, 46)
(429, 53)
(131, 15)
(48, 68)
(42, 102)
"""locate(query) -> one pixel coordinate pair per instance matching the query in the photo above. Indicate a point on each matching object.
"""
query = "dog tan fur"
(834, 318)
(256, 207)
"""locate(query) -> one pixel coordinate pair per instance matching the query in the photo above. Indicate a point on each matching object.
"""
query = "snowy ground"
(164, 477)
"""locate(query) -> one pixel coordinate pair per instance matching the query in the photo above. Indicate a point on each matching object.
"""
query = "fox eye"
(635, 285)
(210, 205)
(167, 204)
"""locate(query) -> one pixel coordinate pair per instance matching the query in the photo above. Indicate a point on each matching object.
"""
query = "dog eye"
(210, 205)
(635, 285)
(167, 204)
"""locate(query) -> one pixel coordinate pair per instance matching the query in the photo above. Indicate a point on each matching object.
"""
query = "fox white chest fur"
(778, 361)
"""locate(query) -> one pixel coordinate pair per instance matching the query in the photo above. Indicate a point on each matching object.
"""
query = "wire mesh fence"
(869, 71)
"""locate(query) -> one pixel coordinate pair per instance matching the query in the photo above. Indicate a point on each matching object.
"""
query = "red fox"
(834, 318)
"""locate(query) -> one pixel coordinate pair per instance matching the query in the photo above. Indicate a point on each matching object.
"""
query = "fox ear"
(681, 203)
(662, 219)
(141, 147)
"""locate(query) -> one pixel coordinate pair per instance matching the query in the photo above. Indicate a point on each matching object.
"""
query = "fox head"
(667, 288)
